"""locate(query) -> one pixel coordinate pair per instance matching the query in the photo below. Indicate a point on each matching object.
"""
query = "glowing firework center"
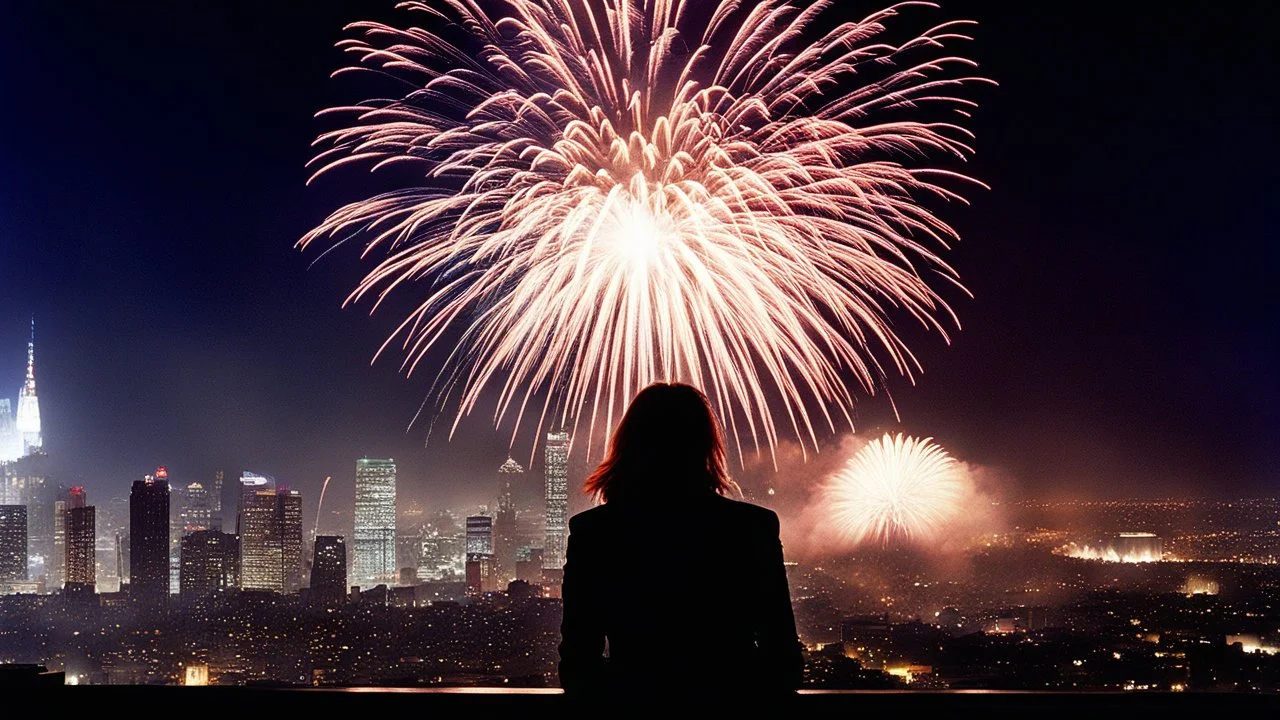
(897, 489)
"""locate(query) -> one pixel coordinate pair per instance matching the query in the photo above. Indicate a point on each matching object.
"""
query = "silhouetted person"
(684, 589)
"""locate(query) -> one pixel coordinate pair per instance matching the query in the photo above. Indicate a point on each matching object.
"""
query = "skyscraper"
(250, 484)
(149, 537)
(27, 421)
(13, 543)
(329, 569)
(208, 563)
(290, 504)
(375, 526)
(505, 532)
(271, 541)
(81, 564)
(57, 570)
(195, 513)
(557, 495)
(479, 535)
(215, 501)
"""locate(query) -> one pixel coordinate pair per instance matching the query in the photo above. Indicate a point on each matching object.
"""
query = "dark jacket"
(690, 596)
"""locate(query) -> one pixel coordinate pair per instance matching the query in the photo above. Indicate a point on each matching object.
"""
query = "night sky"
(1121, 341)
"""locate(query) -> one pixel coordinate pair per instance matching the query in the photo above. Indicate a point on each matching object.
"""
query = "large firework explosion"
(896, 489)
(606, 193)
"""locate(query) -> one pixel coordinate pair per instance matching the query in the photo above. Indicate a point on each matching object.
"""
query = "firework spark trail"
(615, 192)
(896, 488)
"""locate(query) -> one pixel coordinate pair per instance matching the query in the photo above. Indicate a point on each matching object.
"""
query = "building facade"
(506, 532)
(195, 513)
(329, 569)
(271, 541)
(209, 563)
(375, 522)
(80, 524)
(556, 458)
(13, 543)
(149, 537)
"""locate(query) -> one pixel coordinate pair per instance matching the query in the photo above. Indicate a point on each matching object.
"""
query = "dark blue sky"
(1122, 340)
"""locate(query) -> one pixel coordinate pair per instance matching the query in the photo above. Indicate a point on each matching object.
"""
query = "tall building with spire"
(505, 532)
(557, 499)
(27, 422)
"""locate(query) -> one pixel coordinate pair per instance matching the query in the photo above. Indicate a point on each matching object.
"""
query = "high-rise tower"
(250, 484)
(557, 497)
(149, 538)
(271, 541)
(375, 526)
(208, 563)
(27, 422)
(195, 512)
(215, 501)
(13, 543)
(504, 527)
(81, 564)
(329, 569)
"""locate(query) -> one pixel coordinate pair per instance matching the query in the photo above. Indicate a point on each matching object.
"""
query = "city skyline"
(979, 293)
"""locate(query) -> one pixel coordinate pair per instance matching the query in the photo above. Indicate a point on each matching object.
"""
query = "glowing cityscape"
(338, 306)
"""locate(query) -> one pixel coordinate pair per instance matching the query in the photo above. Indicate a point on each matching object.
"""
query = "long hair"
(668, 443)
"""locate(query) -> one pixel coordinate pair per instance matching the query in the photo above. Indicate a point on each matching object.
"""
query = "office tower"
(13, 543)
(57, 572)
(215, 501)
(195, 513)
(25, 481)
(329, 569)
(557, 496)
(479, 535)
(149, 537)
(375, 525)
(250, 484)
(290, 502)
(27, 421)
(81, 536)
(505, 537)
(271, 541)
(209, 560)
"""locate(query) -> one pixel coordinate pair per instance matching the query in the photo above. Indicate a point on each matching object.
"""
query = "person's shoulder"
(586, 520)
(759, 517)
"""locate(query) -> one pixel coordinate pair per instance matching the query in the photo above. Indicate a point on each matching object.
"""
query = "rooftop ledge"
(229, 702)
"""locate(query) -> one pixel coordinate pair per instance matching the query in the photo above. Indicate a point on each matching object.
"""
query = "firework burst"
(607, 193)
(895, 489)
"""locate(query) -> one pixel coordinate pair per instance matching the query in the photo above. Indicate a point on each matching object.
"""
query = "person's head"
(668, 443)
